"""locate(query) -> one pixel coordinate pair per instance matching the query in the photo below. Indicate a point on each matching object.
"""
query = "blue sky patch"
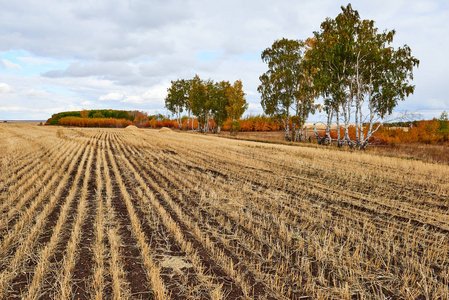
(208, 55)
(29, 64)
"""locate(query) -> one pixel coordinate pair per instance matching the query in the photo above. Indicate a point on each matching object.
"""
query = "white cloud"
(87, 103)
(10, 108)
(113, 96)
(133, 99)
(5, 88)
(108, 70)
(126, 52)
(4, 63)
(157, 92)
(36, 93)
(36, 61)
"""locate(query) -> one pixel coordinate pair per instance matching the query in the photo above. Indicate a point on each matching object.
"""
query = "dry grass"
(131, 127)
(165, 129)
(432, 153)
(186, 216)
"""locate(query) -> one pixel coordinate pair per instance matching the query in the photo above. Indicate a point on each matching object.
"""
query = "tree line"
(98, 117)
(435, 131)
(206, 100)
(348, 63)
(352, 66)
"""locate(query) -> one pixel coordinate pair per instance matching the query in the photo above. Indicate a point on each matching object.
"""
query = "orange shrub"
(426, 131)
(94, 122)
(184, 124)
(256, 123)
(168, 123)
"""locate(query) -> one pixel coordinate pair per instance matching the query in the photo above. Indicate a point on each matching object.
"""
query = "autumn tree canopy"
(236, 104)
(359, 74)
(177, 98)
(280, 86)
(352, 66)
(206, 100)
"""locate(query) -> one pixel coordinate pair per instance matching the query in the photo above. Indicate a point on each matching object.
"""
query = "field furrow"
(151, 193)
(39, 182)
(25, 249)
(91, 213)
(178, 169)
(136, 250)
(118, 287)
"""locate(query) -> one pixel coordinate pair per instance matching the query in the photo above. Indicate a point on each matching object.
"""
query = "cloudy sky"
(121, 54)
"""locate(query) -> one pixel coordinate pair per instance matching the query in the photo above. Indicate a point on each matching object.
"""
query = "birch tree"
(306, 95)
(281, 86)
(237, 104)
(331, 59)
(219, 100)
(200, 101)
(385, 84)
(361, 75)
(176, 99)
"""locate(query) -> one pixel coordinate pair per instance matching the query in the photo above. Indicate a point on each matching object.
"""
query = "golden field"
(129, 213)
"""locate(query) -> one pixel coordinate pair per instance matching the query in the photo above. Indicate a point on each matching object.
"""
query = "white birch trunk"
(338, 130)
(328, 127)
(316, 134)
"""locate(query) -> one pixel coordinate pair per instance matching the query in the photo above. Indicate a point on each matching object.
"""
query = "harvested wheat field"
(123, 214)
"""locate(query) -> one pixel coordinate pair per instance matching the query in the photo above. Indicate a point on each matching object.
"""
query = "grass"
(432, 153)
(191, 216)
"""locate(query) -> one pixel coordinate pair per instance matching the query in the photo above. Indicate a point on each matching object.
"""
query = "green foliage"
(279, 84)
(54, 120)
(355, 66)
(206, 100)
(443, 128)
(115, 114)
(98, 114)
(157, 117)
(286, 88)
(355, 61)
(104, 113)
(235, 126)
(237, 104)
(177, 98)
(219, 100)
(199, 99)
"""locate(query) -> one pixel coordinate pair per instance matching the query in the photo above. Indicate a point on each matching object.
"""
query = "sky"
(122, 54)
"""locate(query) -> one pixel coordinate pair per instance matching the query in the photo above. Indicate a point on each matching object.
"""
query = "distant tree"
(443, 129)
(357, 71)
(219, 100)
(281, 85)
(237, 104)
(200, 100)
(122, 114)
(306, 95)
(159, 117)
(84, 113)
(206, 100)
(141, 117)
(98, 115)
(176, 100)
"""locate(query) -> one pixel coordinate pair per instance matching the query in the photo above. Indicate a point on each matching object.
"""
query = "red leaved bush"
(153, 123)
(94, 122)
(429, 132)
